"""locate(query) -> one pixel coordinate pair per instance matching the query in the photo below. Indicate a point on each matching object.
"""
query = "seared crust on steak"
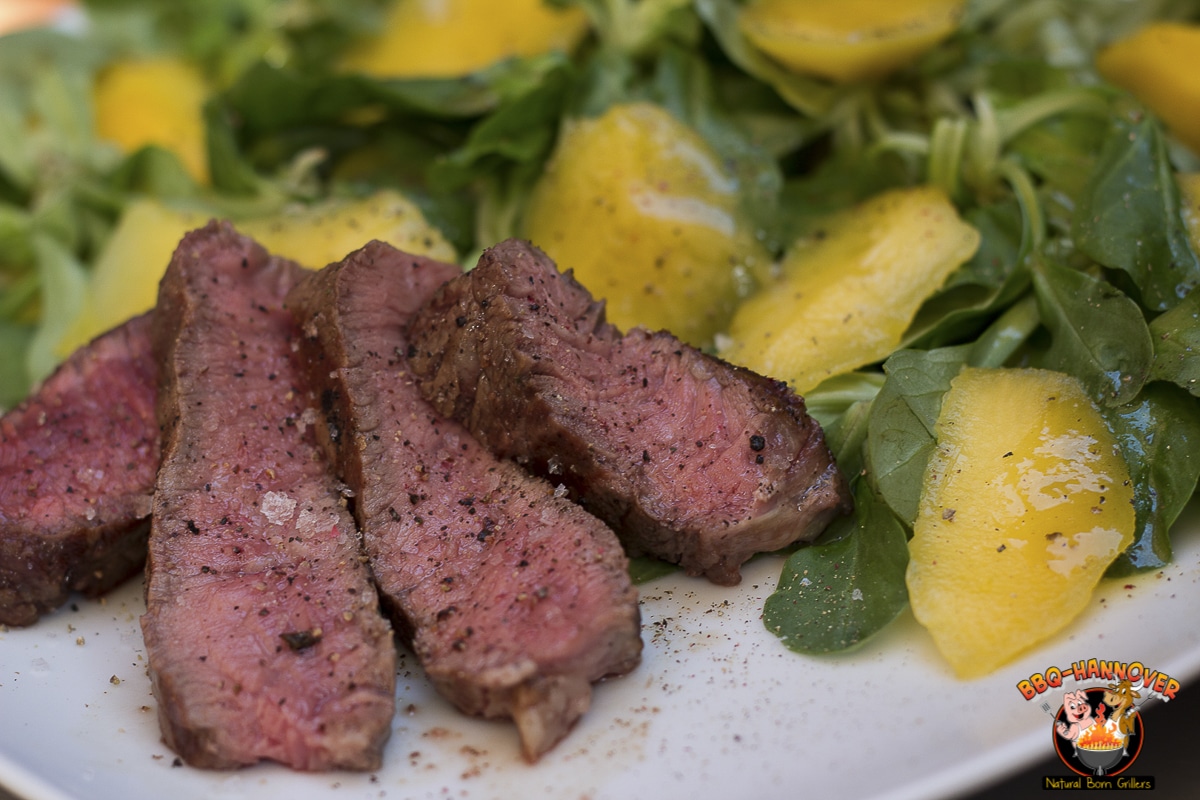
(262, 627)
(77, 463)
(515, 600)
(689, 458)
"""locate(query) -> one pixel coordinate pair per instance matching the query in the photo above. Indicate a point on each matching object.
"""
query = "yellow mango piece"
(125, 278)
(1189, 191)
(451, 38)
(1157, 64)
(845, 298)
(155, 101)
(640, 207)
(1026, 502)
(848, 40)
(318, 235)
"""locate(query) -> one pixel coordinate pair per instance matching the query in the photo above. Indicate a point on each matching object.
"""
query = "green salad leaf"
(1176, 338)
(993, 279)
(643, 569)
(1099, 333)
(1159, 434)
(902, 435)
(1129, 217)
(834, 594)
(14, 381)
(63, 282)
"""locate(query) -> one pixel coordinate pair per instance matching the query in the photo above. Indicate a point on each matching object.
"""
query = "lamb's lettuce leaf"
(989, 282)
(1129, 216)
(1098, 333)
(1159, 435)
(1176, 338)
(63, 282)
(839, 591)
(902, 434)
(14, 378)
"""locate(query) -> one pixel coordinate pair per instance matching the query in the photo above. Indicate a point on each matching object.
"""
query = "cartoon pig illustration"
(1079, 711)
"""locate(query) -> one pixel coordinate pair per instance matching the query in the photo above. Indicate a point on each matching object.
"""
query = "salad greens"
(1085, 265)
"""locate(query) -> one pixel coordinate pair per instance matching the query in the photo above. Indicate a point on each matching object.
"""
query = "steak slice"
(514, 599)
(262, 627)
(77, 464)
(689, 458)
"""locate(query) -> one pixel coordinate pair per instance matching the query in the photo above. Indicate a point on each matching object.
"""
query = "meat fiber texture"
(262, 628)
(77, 464)
(689, 458)
(515, 600)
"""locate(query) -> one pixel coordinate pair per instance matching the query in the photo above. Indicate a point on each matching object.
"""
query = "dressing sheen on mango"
(1026, 502)
(848, 40)
(644, 212)
(845, 297)
(449, 38)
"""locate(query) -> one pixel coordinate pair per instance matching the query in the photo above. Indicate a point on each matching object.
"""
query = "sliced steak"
(689, 458)
(515, 600)
(77, 464)
(262, 627)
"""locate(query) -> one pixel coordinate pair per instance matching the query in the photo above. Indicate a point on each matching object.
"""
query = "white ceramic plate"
(718, 708)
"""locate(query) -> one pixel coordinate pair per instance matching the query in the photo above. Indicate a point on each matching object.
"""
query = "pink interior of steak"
(689, 458)
(262, 627)
(77, 465)
(515, 599)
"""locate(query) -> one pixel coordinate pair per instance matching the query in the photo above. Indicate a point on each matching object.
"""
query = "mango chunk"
(845, 298)
(156, 101)
(1157, 64)
(125, 278)
(1026, 502)
(452, 38)
(321, 234)
(848, 40)
(639, 205)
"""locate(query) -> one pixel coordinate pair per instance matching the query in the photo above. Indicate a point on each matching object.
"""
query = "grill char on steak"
(77, 463)
(689, 458)
(262, 627)
(514, 599)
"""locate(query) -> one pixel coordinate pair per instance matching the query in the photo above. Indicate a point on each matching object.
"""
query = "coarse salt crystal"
(307, 417)
(311, 523)
(277, 507)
